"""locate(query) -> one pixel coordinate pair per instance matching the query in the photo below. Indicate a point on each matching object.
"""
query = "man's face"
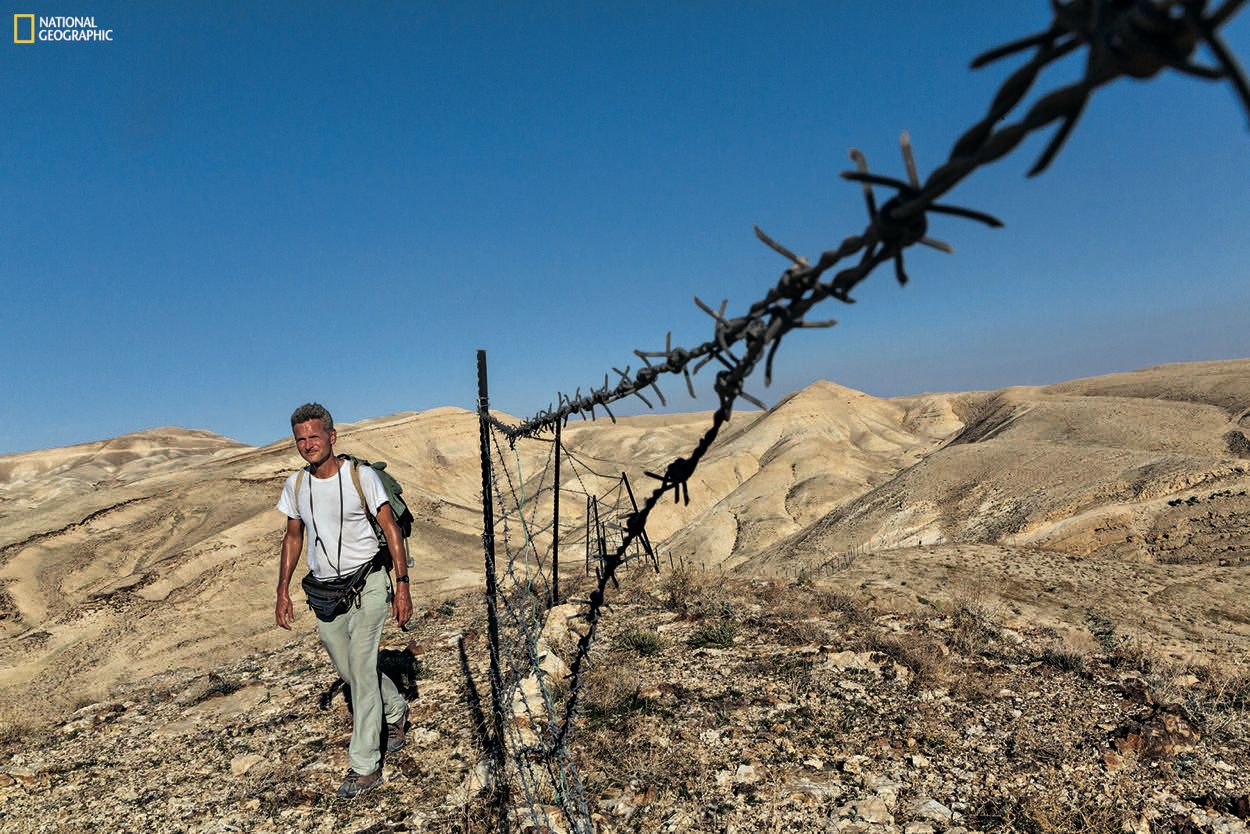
(314, 443)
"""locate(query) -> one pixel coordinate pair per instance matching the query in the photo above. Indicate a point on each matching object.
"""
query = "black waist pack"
(328, 598)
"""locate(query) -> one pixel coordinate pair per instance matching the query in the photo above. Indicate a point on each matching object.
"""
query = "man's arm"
(292, 544)
(402, 607)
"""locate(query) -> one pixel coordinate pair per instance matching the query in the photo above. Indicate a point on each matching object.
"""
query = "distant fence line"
(1119, 38)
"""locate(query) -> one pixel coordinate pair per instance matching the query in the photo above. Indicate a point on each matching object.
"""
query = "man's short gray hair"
(312, 411)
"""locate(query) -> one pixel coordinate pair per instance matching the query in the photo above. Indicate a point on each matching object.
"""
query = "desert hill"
(39, 478)
(1126, 492)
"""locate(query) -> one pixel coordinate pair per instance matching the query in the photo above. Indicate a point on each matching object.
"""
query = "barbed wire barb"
(779, 248)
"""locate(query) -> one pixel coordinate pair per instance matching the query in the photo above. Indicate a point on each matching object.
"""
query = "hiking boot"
(356, 784)
(395, 734)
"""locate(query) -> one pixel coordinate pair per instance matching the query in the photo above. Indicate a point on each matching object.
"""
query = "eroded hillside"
(1125, 493)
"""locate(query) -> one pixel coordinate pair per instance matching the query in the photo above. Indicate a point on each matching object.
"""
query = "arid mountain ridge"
(1125, 494)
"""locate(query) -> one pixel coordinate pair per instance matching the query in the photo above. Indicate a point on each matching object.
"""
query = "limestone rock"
(870, 809)
(240, 765)
(930, 809)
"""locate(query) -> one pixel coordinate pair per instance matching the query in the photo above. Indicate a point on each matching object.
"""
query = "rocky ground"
(713, 705)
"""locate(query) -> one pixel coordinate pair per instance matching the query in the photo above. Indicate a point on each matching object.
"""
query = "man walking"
(346, 563)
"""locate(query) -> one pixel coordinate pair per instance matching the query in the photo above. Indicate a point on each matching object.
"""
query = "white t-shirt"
(324, 527)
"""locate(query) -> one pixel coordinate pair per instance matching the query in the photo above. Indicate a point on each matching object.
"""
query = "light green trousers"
(352, 640)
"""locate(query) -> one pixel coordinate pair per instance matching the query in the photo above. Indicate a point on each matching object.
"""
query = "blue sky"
(233, 208)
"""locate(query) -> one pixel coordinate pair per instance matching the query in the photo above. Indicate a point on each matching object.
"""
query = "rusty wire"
(1120, 38)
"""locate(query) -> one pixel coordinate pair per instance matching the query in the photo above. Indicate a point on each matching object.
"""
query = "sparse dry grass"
(643, 641)
(850, 609)
(974, 621)
(1064, 659)
(798, 632)
(1217, 696)
(718, 634)
(1050, 815)
(788, 614)
(693, 593)
(920, 654)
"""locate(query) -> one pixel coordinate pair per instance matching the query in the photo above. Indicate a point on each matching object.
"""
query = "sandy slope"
(1122, 495)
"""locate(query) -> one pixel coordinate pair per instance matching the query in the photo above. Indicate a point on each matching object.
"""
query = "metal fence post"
(555, 527)
(492, 589)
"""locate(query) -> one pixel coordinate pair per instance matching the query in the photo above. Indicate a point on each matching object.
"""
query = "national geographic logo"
(28, 28)
(23, 23)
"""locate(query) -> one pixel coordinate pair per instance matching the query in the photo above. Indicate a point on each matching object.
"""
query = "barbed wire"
(546, 777)
(1121, 38)
(1124, 38)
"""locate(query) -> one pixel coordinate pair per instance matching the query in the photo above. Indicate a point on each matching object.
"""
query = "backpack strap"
(299, 482)
(355, 462)
(373, 520)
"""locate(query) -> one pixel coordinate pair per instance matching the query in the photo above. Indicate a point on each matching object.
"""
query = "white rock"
(746, 774)
(852, 660)
(420, 736)
(26, 775)
(551, 663)
(884, 787)
(242, 764)
(872, 809)
(1012, 636)
(818, 790)
(618, 806)
(475, 781)
(930, 809)
(855, 764)
(743, 774)
(564, 622)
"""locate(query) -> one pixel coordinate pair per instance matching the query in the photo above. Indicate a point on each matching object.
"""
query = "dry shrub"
(771, 592)
(646, 760)
(972, 684)
(718, 634)
(1048, 815)
(1220, 699)
(1135, 654)
(1229, 686)
(609, 693)
(920, 654)
(1064, 659)
(14, 729)
(794, 616)
(643, 641)
(475, 815)
(974, 622)
(1128, 652)
(852, 610)
(693, 593)
(682, 587)
(801, 632)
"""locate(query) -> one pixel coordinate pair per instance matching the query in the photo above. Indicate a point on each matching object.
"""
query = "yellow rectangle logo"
(17, 29)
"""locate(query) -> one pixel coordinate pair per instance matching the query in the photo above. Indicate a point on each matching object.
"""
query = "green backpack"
(394, 497)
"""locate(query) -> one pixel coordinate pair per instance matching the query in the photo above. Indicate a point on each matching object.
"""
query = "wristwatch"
(403, 578)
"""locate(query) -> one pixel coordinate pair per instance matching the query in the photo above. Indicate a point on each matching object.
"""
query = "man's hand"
(402, 606)
(284, 612)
